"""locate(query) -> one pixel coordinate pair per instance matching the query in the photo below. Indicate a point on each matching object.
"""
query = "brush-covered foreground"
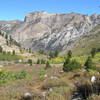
(45, 84)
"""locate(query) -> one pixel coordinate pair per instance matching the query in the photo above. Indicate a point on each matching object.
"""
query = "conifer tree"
(1, 49)
(93, 52)
(89, 64)
(69, 54)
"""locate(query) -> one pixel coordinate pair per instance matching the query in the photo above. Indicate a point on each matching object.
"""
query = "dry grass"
(62, 86)
(94, 97)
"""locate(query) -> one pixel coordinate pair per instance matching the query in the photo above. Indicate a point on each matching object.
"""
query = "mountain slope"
(7, 26)
(6, 46)
(85, 44)
(49, 32)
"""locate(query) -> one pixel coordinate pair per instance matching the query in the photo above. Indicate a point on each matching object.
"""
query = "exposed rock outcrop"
(42, 30)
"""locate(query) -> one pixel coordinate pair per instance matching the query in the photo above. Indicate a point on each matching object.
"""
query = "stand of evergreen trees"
(70, 65)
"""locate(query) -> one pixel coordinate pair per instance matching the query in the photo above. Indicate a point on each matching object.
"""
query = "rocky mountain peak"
(52, 31)
(37, 15)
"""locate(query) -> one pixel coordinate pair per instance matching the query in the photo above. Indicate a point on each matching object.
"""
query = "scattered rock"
(20, 61)
(1, 66)
(54, 77)
(44, 94)
(93, 79)
(45, 75)
(50, 89)
(27, 96)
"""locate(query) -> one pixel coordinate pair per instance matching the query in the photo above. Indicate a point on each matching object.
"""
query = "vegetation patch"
(9, 57)
(54, 83)
(60, 93)
(7, 75)
(42, 74)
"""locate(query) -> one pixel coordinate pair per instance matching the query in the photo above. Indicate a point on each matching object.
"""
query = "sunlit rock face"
(47, 31)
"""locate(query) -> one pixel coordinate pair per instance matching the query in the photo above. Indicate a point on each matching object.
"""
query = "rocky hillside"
(84, 45)
(7, 26)
(47, 31)
(7, 45)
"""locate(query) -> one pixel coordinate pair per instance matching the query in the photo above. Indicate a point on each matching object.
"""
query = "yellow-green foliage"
(20, 56)
(96, 59)
(57, 60)
(9, 57)
(42, 74)
(37, 55)
(7, 75)
(92, 72)
(80, 59)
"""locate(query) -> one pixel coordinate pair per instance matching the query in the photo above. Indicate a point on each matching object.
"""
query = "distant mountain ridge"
(51, 31)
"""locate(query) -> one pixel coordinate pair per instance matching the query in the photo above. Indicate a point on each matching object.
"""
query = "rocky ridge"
(49, 32)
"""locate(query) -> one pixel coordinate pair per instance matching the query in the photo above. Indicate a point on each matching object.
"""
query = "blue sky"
(17, 9)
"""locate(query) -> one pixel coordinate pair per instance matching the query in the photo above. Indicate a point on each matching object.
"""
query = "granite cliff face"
(46, 31)
(7, 26)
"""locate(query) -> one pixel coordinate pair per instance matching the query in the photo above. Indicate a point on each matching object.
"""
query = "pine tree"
(93, 52)
(47, 65)
(1, 49)
(89, 64)
(38, 61)
(7, 42)
(11, 40)
(71, 65)
(67, 60)
(6, 36)
(43, 61)
(13, 53)
(69, 54)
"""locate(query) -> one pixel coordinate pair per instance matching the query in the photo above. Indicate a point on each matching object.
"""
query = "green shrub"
(67, 61)
(30, 62)
(7, 76)
(41, 74)
(47, 65)
(71, 65)
(41, 61)
(20, 75)
(89, 64)
(38, 61)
